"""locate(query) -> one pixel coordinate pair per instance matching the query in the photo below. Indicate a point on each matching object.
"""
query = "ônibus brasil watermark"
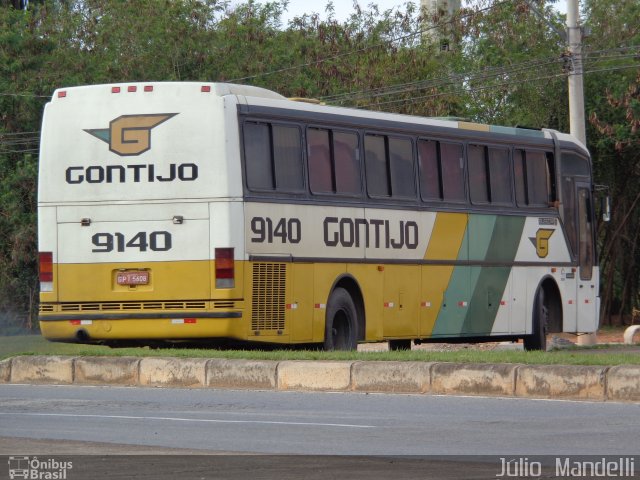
(32, 468)
(605, 467)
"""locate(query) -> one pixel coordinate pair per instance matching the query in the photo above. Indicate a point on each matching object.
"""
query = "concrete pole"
(576, 90)
(576, 100)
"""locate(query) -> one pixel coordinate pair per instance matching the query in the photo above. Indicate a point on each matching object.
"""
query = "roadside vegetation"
(36, 345)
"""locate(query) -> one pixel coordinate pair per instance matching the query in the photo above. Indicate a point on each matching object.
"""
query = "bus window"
(520, 171)
(287, 153)
(402, 171)
(347, 165)
(257, 151)
(429, 170)
(452, 168)
(375, 159)
(500, 176)
(273, 157)
(320, 170)
(478, 184)
(534, 184)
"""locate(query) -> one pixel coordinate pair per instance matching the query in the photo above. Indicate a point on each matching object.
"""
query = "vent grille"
(268, 299)
(45, 308)
(128, 306)
(224, 304)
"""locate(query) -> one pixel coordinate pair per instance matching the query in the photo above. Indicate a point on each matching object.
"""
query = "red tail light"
(46, 266)
(225, 271)
(45, 259)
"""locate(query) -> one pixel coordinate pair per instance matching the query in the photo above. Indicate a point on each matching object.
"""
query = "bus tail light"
(225, 271)
(46, 271)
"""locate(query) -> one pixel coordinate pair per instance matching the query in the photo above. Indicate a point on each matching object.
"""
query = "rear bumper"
(90, 328)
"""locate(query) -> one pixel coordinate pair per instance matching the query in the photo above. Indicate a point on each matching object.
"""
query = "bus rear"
(136, 203)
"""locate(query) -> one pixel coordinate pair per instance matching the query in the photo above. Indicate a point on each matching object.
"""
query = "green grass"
(36, 345)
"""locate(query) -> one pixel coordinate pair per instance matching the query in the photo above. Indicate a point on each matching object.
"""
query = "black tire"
(341, 322)
(538, 338)
(399, 344)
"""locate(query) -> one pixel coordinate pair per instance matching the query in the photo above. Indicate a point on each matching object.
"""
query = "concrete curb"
(620, 383)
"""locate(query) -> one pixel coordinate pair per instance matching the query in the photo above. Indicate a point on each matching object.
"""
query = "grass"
(36, 345)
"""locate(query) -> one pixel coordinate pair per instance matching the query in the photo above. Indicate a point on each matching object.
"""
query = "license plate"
(133, 278)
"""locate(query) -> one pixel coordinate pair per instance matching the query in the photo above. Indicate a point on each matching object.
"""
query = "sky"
(344, 7)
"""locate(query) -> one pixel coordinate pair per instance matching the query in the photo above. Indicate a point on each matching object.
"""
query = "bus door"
(587, 280)
(578, 226)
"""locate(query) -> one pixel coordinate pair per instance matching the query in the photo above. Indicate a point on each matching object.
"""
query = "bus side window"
(347, 166)
(402, 169)
(257, 152)
(500, 176)
(376, 165)
(534, 178)
(430, 186)
(320, 171)
(452, 167)
(287, 153)
(478, 181)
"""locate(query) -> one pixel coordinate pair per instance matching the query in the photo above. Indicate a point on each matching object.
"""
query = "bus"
(217, 213)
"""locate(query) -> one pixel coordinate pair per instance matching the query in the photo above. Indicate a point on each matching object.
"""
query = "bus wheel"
(538, 338)
(341, 322)
(399, 344)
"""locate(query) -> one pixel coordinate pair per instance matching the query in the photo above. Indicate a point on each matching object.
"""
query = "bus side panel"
(455, 300)
(448, 242)
(499, 238)
(301, 303)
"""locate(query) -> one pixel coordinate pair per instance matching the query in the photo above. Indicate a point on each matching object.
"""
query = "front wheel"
(341, 322)
(538, 338)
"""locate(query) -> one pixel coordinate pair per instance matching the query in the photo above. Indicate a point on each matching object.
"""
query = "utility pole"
(576, 90)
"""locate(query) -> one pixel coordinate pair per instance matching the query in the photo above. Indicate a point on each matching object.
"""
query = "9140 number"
(288, 230)
(143, 241)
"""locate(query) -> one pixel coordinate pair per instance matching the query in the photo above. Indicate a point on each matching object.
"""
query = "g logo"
(541, 241)
(130, 135)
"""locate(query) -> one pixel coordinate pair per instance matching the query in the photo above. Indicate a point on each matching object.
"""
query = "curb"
(620, 383)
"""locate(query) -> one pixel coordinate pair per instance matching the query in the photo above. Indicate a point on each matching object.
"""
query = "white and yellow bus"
(180, 212)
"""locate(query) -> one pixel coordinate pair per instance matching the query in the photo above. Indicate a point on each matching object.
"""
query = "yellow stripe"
(447, 236)
(473, 126)
(445, 243)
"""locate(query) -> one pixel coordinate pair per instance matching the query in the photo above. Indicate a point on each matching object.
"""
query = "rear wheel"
(341, 322)
(538, 338)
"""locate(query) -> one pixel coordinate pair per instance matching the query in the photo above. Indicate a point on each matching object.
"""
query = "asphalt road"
(317, 423)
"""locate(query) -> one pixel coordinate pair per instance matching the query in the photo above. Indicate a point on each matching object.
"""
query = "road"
(317, 423)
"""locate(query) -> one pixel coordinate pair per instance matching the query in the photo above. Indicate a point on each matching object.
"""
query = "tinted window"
(574, 165)
(257, 152)
(499, 175)
(347, 162)
(538, 179)
(533, 177)
(376, 160)
(478, 184)
(320, 168)
(273, 157)
(452, 172)
(429, 170)
(402, 172)
(287, 152)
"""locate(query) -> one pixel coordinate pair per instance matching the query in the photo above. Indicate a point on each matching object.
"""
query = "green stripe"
(489, 283)
(488, 238)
